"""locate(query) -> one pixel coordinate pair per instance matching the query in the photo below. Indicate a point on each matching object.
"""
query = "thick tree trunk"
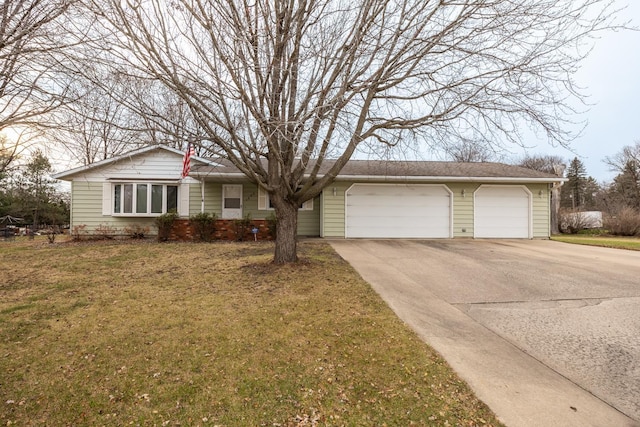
(287, 230)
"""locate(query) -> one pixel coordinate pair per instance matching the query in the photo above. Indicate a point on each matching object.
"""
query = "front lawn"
(210, 334)
(631, 243)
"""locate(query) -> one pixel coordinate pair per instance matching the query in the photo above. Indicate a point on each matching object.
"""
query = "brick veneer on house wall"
(225, 230)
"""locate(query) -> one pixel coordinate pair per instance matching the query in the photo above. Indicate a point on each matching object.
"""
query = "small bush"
(572, 221)
(105, 232)
(204, 225)
(164, 223)
(272, 224)
(136, 231)
(51, 234)
(241, 227)
(625, 222)
(78, 232)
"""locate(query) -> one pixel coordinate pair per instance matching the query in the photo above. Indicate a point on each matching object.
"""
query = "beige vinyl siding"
(156, 165)
(541, 210)
(463, 208)
(308, 220)
(87, 211)
(212, 198)
(333, 212)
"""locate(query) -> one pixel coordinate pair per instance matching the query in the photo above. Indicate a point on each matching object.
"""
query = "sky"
(611, 78)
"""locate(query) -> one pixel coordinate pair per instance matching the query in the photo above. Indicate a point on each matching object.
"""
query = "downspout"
(555, 199)
(201, 195)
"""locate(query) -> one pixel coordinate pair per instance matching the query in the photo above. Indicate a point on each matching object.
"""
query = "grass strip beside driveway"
(210, 334)
(630, 243)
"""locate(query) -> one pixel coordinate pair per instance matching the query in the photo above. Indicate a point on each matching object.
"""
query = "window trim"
(149, 195)
(264, 202)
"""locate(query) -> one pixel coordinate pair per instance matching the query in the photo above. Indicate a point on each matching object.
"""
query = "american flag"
(186, 163)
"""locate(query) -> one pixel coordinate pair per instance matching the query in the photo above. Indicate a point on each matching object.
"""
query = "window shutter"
(262, 199)
(106, 198)
(183, 202)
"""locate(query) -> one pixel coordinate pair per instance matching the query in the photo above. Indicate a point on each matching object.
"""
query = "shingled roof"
(407, 170)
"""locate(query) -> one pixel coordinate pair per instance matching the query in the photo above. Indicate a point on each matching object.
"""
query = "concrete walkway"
(520, 389)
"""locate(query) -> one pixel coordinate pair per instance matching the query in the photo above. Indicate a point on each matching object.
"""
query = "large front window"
(142, 199)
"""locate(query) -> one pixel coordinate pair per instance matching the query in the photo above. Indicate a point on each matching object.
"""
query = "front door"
(231, 201)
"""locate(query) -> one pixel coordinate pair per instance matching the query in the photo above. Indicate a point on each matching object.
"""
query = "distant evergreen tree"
(626, 186)
(31, 194)
(573, 191)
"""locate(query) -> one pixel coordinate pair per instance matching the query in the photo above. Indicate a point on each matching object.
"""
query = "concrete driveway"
(546, 333)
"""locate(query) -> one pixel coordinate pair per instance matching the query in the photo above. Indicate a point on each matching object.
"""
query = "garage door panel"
(506, 211)
(432, 222)
(405, 230)
(392, 204)
(398, 211)
(391, 212)
(502, 212)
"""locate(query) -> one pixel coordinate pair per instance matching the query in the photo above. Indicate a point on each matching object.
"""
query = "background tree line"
(27, 192)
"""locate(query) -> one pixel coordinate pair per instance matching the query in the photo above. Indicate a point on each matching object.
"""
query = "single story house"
(369, 199)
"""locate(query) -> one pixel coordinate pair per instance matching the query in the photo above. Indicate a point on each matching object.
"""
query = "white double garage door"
(426, 211)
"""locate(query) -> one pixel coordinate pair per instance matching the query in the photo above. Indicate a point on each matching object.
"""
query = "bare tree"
(279, 86)
(466, 150)
(113, 113)
(619, 161)
(32, 36)
(547, 163)
(96, 126)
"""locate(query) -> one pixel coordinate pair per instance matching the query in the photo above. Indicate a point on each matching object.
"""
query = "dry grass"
(209, 334)
(630, 243)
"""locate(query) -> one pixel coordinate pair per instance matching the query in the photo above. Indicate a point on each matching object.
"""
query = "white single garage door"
(396, 210)
(502, 212)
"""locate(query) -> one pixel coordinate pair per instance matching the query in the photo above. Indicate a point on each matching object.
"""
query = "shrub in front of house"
(242, 227)
(203, 225)
(105, 232)
(164, 223)
(136, 231)
(78, 232)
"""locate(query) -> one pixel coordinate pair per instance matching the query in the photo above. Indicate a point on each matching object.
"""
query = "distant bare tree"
(467, 150)
(112, 114)
(96, 126)
(547, 163)
(295, 82)
(32, 36)
(620, 161)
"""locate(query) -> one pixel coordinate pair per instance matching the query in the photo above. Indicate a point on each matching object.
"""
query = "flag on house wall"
(186, 162)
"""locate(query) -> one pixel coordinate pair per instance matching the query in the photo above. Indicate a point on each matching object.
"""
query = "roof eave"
(491, 179)
(380, 178)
